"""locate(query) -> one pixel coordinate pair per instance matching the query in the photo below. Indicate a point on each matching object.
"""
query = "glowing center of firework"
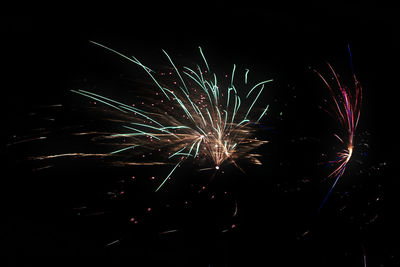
(349, 153)
(217, 167)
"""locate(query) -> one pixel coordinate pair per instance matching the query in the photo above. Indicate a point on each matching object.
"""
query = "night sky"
(85, 212)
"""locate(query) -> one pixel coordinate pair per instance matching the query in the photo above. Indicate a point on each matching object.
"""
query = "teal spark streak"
(168, 176)
(213, 90)
(260, 83)
(179, 151)
(201, 115)
(205, 88)
(177, 127)
(198, 82)
(183, 106)
(236, 107)
(202, 131)
(233, 73)
(245, 76)
(205, 61)
(226, 116)
(114, 51)
(123, 149)
(144, 133)
(136, 61)
(219, 131)
(209, 115)
(215, 84)
(155, 128)
(239, 101)
(262, 114)
(259, 93)
(172, 63)
(145, 116)
(124, 106)
(201, 75)
(243, 121)
(219, 115)
(228, 97)
(191, 148)
(198, 146)
(195, 108)
(98, 99)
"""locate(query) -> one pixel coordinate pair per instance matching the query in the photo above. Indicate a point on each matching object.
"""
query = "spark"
(169, 231)
(236, 210)
(130, 163)
(200, 118)
(347, 111)
(364, 256)
(305, 233)
(113, 242)
(27, 140)
(42, 168)
(68, 155)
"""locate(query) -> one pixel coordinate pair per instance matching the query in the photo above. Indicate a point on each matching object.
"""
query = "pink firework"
(347, 104)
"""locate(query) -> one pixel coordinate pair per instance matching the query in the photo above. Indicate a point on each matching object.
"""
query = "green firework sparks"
(196, 117)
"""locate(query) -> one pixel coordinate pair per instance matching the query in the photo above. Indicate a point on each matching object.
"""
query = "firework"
(347, 111)
(192, 118)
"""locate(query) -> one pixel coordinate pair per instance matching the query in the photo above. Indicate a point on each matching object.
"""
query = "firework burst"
(346, 107)
(192, 118)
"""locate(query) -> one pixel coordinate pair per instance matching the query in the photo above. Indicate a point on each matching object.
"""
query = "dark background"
(45, 56)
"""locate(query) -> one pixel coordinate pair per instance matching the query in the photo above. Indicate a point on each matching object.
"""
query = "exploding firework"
(346, 107)
(189, 117)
